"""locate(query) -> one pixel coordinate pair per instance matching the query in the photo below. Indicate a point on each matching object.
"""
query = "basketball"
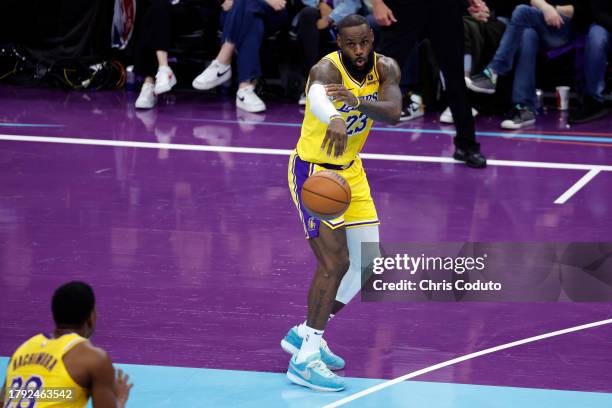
(326, 195)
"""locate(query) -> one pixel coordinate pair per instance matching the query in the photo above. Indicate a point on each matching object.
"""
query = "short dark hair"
(352, 20)
(72, 304)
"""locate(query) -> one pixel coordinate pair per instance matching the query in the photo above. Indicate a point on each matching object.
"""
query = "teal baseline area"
(160, 386)
(506, 135)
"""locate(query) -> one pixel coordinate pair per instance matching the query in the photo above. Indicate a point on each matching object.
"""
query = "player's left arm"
(388, 107)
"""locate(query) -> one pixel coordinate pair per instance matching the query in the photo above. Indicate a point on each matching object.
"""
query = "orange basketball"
(326, 195)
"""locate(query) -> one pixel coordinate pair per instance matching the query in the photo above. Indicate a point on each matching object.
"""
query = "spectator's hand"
(122, 388)
(552, 17)
(325, 9)
(382, 14)
(277, 5)
(479, 10)
(567, 11)
(323, 23)
(227, 5)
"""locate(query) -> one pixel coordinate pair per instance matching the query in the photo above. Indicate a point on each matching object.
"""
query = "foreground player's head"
(74, 308)
(356, 42)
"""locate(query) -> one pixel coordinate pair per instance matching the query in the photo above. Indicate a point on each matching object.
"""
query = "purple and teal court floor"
(180, 218)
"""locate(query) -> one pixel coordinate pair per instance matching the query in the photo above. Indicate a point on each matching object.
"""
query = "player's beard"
(354, 70)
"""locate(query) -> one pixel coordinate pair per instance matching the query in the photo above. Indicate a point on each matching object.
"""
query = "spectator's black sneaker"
(589, 111)
(485, 82)
(518, 118)
(471, 158)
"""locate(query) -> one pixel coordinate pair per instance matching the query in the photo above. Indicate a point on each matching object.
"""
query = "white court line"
(579, 184)
(285, 152)
(426, 370)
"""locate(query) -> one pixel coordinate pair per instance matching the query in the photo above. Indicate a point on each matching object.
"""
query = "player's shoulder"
(28, 342)
(325, 71)
(387, 67)
(89, 355)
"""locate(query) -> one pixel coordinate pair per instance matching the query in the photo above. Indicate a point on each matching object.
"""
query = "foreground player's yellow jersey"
(38, 365)
(358, 124)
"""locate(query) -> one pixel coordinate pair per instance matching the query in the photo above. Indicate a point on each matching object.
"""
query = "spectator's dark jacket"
(602, 13)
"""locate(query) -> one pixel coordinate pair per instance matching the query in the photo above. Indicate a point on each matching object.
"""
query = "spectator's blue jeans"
(526, 31)
(596, 53)
(244, 26)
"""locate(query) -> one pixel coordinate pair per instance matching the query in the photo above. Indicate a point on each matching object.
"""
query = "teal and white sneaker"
(293, 342)
(314, 374)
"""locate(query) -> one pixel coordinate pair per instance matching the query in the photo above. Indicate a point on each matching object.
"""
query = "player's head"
(74, 307)
(356, 42)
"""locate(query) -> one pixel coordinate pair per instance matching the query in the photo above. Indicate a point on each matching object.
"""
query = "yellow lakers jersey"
(358, 124)
(38, 365)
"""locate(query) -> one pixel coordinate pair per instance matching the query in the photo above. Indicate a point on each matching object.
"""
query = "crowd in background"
(502, 38)
(509, 50)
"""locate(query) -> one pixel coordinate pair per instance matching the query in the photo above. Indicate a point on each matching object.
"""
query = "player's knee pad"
(351, 282)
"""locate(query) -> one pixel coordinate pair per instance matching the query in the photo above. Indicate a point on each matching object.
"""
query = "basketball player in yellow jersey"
(364, 86)
(65, 369)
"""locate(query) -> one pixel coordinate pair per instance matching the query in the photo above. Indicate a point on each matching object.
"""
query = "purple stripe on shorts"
(301, 171)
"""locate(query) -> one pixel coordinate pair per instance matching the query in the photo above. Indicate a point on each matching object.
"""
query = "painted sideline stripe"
(579, 184)
(286, 152)
(426, 370)
(506, 135)
(14, 124)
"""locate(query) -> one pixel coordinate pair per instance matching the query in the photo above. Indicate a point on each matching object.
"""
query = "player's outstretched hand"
(339, 93)
(122, 388)
(335, 136)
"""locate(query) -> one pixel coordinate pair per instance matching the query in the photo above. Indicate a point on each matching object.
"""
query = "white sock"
(310, 345)
(222, 66)
(302, 326)
(164, 68)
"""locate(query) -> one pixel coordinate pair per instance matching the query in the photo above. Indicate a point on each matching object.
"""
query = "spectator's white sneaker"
(164, 80)
(302, 101)
(214, 75)
(146, 98)
(247, 99)
(447, 116)
(414, 108)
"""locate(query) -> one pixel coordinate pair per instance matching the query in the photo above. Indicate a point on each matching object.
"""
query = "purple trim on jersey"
(301, 171)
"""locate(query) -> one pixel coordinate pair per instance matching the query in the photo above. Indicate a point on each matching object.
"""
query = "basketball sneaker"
(414, 108)
(314, 374)
(146, 98)
(293, 342)
(247, 99)
(447, 116)
(214, 75)
(164, 80)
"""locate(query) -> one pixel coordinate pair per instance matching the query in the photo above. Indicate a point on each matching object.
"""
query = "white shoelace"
(319, 365)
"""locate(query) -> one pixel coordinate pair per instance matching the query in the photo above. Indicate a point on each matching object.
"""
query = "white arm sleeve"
(320, 105)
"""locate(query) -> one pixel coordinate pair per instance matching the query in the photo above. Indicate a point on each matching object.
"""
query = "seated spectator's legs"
(523, 92)
(524, 78)
(249, 65)
(243, 32)
(524, 88)
(523, 17)
(596, 53)
(151, 56)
